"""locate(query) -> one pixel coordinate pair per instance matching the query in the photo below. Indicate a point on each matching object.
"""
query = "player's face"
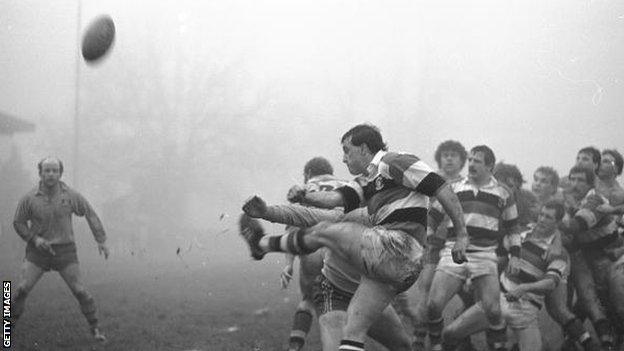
(542, 184)
(579, 183)
(585, 160)
(546, 220)
(354, 157)
(607, 165)
(450, 162)
(477, 170)
(50, 173)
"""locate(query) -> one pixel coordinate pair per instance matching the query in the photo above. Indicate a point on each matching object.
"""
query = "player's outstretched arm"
(323, 199)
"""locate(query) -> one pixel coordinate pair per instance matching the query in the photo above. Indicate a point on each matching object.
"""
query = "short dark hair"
(40, 164)
(502, 171)
(552, 173)
(593, 152)
(451, 145)
(366, 134)
(619, 161)
(557, 206)
(318, 166)
(488, 154)
(590, 175)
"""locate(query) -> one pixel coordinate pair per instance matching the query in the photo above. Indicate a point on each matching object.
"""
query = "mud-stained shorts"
(329, 297)
(65, 254)
(391, 256)
(520, 314)
(479, 263)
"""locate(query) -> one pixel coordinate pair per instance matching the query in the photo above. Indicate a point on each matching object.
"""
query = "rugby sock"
(420, 336)
(291, 243)
(87, 306)
(301, 326)
(435, 332)
(496, 336)
(350, 345)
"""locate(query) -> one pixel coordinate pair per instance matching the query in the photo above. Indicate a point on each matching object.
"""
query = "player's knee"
(333, 320)
(306, 306)
(492, 311)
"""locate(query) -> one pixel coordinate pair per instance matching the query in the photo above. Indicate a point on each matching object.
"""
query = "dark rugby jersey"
(51, 217)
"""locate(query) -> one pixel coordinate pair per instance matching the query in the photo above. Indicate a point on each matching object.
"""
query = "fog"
(201, 104)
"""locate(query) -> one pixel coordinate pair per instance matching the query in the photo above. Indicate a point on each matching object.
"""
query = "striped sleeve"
(412, 173)
(557, 268)
(352, 194)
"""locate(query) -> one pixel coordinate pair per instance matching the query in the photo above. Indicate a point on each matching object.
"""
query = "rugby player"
(522, 293)
(450, 157)
(545, 187)
(489, 207)
(43, 219)
(395, 189)
(597, 267)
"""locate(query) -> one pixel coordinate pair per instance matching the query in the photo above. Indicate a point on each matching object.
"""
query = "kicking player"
(489, 207)
(337, 283)
(44, 220)
(522, 293)
(394, 187)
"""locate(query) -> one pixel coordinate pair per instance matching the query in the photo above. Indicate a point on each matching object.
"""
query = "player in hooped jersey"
(395, 189)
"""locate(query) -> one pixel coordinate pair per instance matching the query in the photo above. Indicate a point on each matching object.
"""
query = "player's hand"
(286, 276)
(44, 245)
(459, 250)
(103, 249)
(513, 267)
(592, 202)
(515, 294)
(255, 207)
(296, 194)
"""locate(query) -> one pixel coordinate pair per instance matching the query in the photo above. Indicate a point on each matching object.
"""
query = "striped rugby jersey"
(535, 264)
(396, 192)
(487, 209)
(599, 225)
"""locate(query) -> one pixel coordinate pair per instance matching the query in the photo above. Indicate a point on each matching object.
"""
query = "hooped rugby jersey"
(396, 192)
(535, 264)
(487, 209)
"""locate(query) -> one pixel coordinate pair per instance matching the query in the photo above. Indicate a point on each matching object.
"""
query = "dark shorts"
(329, 297)
(65, 255)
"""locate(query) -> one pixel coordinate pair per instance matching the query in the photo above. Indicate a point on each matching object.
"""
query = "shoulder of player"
(392, 158)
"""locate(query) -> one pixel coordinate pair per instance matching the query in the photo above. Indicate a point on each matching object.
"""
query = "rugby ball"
(98, 38)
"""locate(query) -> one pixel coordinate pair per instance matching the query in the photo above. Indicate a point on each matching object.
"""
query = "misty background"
(202, 104)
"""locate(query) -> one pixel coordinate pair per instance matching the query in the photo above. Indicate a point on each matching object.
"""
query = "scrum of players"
(402, 239)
